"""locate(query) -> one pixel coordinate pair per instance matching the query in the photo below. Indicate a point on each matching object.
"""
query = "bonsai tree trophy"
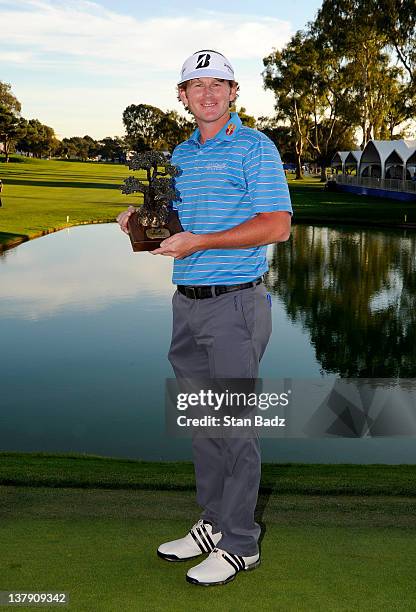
(154, 220)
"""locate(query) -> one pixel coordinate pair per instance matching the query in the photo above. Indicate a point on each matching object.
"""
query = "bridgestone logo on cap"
(206, 63)
(203, 60)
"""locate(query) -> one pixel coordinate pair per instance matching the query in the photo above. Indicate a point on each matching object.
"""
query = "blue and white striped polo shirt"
(225, 181)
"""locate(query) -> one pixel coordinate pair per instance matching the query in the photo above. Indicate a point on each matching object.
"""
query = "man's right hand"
(123, 218)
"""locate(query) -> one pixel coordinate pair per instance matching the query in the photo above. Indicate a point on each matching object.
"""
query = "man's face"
(208, 98)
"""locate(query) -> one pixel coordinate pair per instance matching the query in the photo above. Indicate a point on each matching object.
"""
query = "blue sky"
(76, 65)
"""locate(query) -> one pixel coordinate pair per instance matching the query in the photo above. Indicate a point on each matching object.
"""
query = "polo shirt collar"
(227, 132)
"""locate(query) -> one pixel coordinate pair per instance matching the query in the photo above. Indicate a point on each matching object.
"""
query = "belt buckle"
(192, 289)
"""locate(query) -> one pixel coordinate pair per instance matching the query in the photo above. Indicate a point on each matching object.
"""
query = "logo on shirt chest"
(216, 166)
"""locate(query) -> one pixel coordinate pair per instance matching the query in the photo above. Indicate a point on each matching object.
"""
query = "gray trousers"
(224, 337)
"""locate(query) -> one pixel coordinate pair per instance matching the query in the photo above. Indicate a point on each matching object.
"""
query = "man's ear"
(183, 97)
(233, 93)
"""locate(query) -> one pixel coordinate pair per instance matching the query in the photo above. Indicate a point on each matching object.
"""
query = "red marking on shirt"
(230, 129)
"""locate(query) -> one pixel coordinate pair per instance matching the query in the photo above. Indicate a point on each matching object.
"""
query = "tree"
(173, 129)
(12, 128)
(8, 100)
(142, 122)
(400, 110)
(351, 30)
(113, 149)
(39, 139)
(281, 135)
(286, 74)
(78, 147)
(247, 120)
(68, 148)
(92, 146)
(396, 20)
(313, 95)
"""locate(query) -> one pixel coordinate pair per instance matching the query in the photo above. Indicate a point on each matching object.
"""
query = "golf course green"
(334, 537)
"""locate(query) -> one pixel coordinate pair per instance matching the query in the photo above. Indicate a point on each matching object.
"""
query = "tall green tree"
(79, 147)
(287, 75)
(8, 100)
(39, 139)
(173, 129)
(351, 30)
(281, 135)
(396, 20)
(313, 94)
(142, 123)
(113, 149)
(12, 128)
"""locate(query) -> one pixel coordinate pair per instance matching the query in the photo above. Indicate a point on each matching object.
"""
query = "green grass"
(38, 196)
(312, 203)
(43, 469)
(334, 537)
(317, 553)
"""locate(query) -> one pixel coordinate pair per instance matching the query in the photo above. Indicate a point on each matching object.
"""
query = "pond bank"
(92, 472)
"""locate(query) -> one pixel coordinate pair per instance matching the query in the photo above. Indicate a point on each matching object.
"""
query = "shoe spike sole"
(246, 569)
(175, 559)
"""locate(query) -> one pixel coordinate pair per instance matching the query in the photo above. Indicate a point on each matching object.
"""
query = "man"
(234, 200)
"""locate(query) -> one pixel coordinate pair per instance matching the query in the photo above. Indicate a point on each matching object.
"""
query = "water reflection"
(355, 293)
(85, 327)
(82, 269)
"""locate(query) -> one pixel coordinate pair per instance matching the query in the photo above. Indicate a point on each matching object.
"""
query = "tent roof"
(340, 156)
(353, 156)
(384, 148)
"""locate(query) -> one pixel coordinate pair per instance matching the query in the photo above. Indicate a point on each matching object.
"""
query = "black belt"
(201, 292)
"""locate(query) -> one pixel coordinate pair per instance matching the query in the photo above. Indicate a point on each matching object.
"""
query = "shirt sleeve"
(265, 178)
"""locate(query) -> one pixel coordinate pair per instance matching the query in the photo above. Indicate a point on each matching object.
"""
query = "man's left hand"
(179, 245)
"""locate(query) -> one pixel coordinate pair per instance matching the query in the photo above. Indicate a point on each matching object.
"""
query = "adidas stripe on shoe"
(198, 540)
(221, 567)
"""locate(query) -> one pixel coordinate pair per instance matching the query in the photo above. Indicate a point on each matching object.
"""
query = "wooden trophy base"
(149, 238)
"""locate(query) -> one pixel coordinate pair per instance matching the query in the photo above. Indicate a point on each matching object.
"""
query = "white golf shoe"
(198, 540)
(221, 567)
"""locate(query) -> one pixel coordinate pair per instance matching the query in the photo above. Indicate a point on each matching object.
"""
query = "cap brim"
(206, 72)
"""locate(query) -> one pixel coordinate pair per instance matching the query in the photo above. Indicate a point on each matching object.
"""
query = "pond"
(85, 328)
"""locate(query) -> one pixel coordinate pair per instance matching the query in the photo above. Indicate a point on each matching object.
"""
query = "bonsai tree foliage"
(159, 190)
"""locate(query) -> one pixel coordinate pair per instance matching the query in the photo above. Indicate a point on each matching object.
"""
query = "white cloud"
(94, 35)
(110, 60)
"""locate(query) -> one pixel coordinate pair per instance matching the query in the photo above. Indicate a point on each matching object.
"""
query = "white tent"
(338, 161)
(385, 156)
(352, 160)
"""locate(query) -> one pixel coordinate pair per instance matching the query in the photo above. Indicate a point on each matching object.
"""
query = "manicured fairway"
(317, 553)
(38, 196)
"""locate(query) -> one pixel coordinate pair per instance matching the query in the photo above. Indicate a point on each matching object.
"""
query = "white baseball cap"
(206, 63)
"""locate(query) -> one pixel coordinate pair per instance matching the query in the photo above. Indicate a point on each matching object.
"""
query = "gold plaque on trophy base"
(149, 238)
